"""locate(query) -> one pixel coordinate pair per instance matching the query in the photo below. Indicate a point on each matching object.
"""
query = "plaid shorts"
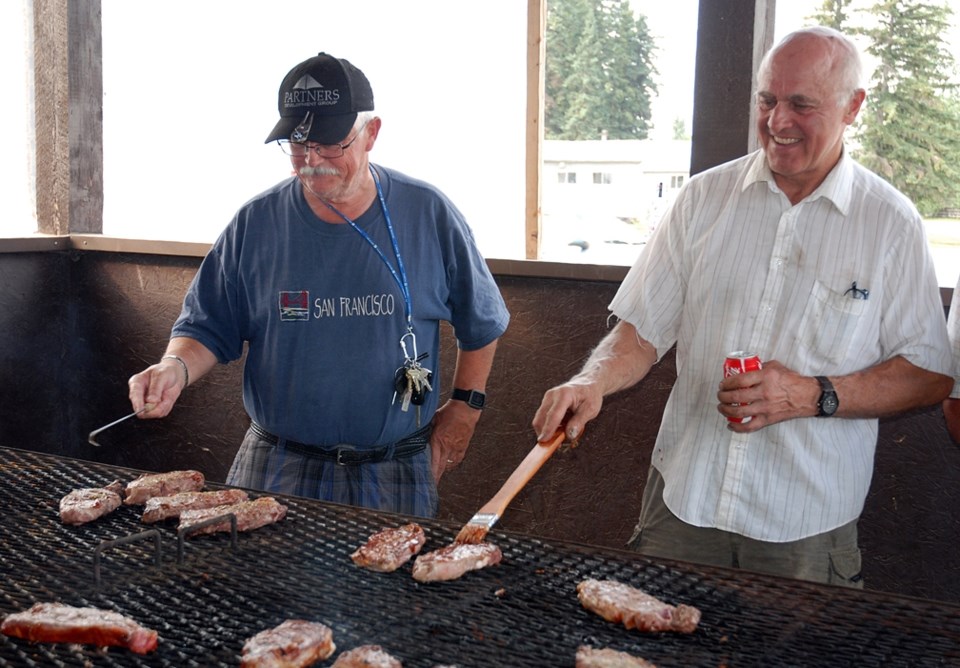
(403, 485)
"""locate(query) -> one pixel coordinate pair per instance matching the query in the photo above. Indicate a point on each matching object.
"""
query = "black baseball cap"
(319, 100)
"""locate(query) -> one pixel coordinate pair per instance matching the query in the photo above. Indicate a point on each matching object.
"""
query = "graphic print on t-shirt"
(295, 305)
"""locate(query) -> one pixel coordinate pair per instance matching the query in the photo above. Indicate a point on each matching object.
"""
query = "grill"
(523, 612)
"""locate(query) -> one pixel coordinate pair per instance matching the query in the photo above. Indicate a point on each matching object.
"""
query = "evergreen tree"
(599, 71)
(833, 14)
(909, 130)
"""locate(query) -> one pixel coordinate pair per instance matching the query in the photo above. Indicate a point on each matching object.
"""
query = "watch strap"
(472, 398)
(828, 403)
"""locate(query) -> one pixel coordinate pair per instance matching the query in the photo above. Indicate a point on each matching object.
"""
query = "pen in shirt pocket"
(857, 293)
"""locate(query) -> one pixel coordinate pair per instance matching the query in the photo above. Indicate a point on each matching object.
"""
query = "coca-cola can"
(737, 362)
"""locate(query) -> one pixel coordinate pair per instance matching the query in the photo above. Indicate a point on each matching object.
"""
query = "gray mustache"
(306, 170)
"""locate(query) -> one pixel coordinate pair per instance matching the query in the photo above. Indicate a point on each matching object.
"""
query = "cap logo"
(308, 92)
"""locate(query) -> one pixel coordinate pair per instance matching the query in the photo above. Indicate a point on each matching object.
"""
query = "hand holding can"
(738, 362)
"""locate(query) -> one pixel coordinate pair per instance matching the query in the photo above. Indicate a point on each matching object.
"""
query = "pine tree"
(599, 71)
(833, 14)
(909, 130)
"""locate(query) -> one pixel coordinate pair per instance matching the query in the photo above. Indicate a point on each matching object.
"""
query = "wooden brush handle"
(541, 452)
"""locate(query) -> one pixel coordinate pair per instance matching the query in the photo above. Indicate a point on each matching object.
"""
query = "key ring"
(403, 346)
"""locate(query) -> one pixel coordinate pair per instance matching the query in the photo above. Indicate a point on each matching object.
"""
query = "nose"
(312, 159)
(778, 118)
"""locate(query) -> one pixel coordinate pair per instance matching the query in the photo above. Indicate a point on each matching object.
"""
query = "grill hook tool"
(91, 438)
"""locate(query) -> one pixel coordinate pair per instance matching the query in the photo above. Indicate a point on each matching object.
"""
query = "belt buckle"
(340, 457)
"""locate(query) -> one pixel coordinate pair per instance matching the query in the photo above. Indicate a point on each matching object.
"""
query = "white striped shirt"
(734, 266)
(953, 327)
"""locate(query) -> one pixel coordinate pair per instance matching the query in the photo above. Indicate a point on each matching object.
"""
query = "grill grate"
(522, 613)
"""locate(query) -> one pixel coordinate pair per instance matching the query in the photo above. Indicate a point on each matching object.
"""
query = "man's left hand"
(772, 394)
(453, 427)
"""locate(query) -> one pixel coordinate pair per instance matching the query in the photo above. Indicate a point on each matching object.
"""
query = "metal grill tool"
(91, 438)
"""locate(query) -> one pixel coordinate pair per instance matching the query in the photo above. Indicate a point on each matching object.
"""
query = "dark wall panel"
(76, 325)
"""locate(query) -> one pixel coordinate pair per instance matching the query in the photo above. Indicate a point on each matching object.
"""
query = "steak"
(85, 505)
(589, 657)
(160, 508)
(452, 561)
(619, 602)
(388, 550)
(294, 644)
(162, 484)
(250, 515)
(55, 622)
(367, 656)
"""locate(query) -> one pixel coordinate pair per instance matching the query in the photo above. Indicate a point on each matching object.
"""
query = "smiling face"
(803, 108)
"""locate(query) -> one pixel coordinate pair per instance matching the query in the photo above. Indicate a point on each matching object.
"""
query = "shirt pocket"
(831, 320)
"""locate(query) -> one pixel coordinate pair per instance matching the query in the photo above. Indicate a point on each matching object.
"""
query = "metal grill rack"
(523, 612)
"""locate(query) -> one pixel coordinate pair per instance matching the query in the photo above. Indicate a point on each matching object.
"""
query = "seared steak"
(388, 550)
(85, 505)
(55, 622)
(452, 561)
(162, 484)
(367, 656)
(619, 602)
(588, 657)
(160, 508)
(294, 644)
(250, 515)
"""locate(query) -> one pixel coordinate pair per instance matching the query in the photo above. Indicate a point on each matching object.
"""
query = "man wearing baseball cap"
(336, 281)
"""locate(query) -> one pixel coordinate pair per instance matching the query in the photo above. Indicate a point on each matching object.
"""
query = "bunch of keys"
(411, 381)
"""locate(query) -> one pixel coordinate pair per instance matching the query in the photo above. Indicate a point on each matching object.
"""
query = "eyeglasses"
(300, 149)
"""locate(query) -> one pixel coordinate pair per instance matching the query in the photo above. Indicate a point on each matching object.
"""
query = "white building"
(602, 198)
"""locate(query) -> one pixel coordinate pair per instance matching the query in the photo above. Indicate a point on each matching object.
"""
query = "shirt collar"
(835, 187)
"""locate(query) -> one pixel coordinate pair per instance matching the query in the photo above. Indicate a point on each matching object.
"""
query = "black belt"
(406, 447)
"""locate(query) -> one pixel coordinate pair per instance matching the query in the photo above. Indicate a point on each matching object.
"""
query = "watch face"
(829, 404)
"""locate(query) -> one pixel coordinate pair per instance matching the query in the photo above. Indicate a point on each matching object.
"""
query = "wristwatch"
(473, 398)
(828, 403)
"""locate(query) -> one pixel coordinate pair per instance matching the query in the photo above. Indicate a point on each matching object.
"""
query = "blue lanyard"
(401, 278)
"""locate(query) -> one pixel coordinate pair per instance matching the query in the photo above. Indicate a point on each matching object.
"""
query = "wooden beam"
(536, 53)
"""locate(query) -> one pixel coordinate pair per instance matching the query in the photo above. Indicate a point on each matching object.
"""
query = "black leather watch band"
(472, 398)
(828, 403)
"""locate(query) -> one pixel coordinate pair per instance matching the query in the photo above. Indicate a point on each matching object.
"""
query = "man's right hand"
(160, 385)
(577, 401)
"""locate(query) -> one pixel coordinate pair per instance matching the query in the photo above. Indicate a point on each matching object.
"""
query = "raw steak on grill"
(452, 561)
(293, 644)
(619, 602)
(160, 508)
(162, 484)
(250, 515)
(388, 550)
(55, 622)
(589, 657)
(367, 656)
(85, 505)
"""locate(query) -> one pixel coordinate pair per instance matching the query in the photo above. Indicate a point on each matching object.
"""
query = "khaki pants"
(829, 558)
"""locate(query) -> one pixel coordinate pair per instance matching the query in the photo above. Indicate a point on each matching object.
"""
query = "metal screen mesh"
(523, 612)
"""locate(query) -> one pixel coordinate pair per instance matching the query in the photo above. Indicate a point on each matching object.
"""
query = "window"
(566, 177)
(16, 114)
(198, 112)
(610, 225)
(943, 228)
(676, 181)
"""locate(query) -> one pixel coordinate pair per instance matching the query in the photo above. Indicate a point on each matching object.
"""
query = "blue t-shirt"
(323, 315)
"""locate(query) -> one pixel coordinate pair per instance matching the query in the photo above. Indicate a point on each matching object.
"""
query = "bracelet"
(186, 374)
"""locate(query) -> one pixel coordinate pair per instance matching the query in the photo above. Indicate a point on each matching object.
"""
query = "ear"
(373, 131)
(854, 105)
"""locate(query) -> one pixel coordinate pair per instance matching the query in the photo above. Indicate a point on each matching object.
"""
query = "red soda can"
(737, 362)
